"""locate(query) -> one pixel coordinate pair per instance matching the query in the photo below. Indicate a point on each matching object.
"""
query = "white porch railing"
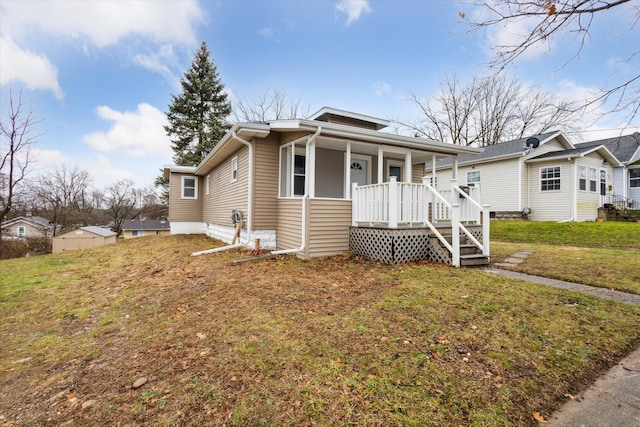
(402, 204)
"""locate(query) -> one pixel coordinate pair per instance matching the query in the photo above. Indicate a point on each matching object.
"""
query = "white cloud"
(104, 173)
(136, 133)
(511, 34)
(353, 9)
(267, 32)
(33, 70)
(104, 22)
(380, 88)
(162, 62)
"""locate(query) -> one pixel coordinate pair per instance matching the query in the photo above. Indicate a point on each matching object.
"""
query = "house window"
(395, 168)
(137, 233)
(473, 178)
(207, 184)
(582, 178)
(158, 231)
(21, 231)
(189, 187)
(593, 185)
(634, 178)
(234, 169)
(550, 178)
(293, 172)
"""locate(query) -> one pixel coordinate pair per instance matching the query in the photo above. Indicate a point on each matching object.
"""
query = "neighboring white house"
(626, 176)
(144, 227)
(543, 177)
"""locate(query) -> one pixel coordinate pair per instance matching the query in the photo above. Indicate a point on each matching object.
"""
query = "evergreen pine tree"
(198, 116)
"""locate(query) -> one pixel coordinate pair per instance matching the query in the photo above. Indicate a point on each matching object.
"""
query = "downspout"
(303, 228)
(574, 192)
(235, 136)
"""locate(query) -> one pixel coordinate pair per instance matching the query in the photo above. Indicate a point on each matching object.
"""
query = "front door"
(359, 171)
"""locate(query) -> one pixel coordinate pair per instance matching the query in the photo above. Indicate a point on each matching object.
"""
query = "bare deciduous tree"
(488, 110)
(65, 196)
(542, 20)
(272, 104)
(18, 133)
(123, 202)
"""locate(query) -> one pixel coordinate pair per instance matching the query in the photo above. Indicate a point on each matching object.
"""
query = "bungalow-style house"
(543, 178)
(323, 185)
(144, 227)
(83, 238)
(626, 176)
(25, 227)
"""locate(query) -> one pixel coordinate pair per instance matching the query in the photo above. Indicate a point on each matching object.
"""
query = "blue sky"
(101, 74)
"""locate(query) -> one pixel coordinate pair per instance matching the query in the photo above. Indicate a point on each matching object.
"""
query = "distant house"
(543, 177)
(626, 176)
(83, 238)
(144, 227)
(327, 184)
(24, 227)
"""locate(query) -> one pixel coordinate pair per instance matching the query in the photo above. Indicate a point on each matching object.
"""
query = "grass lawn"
(330, 342)
(574, 251)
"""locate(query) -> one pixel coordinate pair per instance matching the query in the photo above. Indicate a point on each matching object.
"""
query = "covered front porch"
(343, 189)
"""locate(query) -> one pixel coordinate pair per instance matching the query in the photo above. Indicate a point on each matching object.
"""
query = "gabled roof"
(327, 114)
(506, 150)
(146, 224)
(99, 231)
(233, 139)
(34, 221)
(577, 152)
(626, 147)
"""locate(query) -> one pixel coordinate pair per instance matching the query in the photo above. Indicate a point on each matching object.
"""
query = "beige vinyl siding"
(329, 222)
(225, 194)
(29, 230)
(288, 232)
(417, 172)
(589, 201)
(547, 147)
(265, 196)
(184, 210)
(551, 205)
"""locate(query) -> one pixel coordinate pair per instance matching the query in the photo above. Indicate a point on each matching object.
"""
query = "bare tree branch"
(272, 104)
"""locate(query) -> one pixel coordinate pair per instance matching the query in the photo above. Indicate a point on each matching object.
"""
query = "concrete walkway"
(614, 399)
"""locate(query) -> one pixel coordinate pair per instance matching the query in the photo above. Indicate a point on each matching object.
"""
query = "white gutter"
(235, 136)
(303, 228)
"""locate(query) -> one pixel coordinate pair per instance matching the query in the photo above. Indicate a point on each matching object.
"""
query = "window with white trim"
(293, 173)
(473, 178)
(21, 231)
(207, 184)
(189, 187)
(582, 178)
(593, 183)
(234, 169)
(634, 178)
(550, 178)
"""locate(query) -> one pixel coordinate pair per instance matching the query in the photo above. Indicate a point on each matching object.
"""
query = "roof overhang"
(600, 149)
(325, 113)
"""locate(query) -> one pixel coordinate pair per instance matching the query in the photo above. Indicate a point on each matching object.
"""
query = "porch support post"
(293, 167)
(407, 167)
(380, 165)
(454, 171)
(427, 199)
(393, 202)
(347, 172)
(311, 168)
(485, 230)
(433, 171)
(455, 234)
(355, 204)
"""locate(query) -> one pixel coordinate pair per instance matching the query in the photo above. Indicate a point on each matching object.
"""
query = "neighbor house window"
(473, 178)
(550, 178)
(21, 231)
(189, 187)
(582, 178)
(234, 169)
(634, 178)
(593, 183)
(207, 184)
(158, 231)
(137, 233)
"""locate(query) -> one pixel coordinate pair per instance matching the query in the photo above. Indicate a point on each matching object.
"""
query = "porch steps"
(473, 260)
(470, 256)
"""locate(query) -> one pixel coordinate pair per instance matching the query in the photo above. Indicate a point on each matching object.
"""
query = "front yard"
(338, 341)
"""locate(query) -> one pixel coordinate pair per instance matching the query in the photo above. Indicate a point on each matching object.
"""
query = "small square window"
(473, 178)
(21, 231)
(234, 169)
(550, 178)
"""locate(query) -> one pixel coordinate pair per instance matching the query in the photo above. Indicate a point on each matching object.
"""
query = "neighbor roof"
(36, 221)
(98, 230)
(626, 148)
(146, 224)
